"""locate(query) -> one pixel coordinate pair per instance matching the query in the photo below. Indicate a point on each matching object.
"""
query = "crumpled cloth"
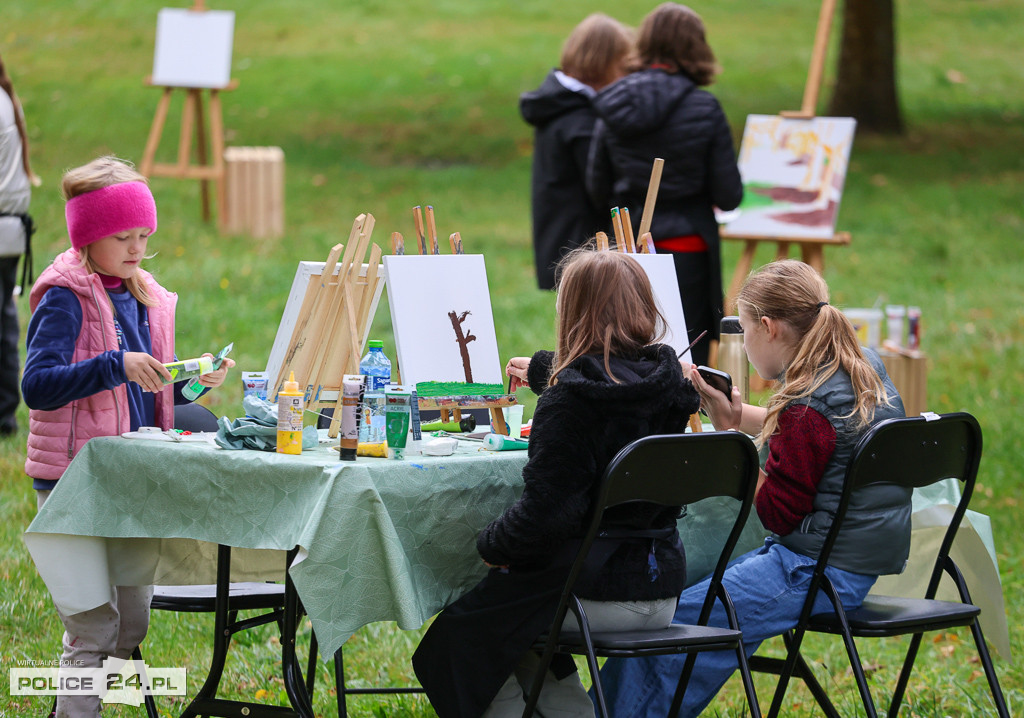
(258, 428)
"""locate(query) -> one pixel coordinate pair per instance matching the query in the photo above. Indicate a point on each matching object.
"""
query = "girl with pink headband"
(101, 331)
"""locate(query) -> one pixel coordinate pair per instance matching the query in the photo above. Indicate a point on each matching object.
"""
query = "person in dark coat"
(607, 384)
(661, 111)
(594, 55)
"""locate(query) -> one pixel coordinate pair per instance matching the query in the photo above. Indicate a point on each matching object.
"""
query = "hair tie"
(820, 305)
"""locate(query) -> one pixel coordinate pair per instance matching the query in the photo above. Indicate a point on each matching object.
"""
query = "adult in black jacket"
(598, 393)
(661, 112)
(594, 55)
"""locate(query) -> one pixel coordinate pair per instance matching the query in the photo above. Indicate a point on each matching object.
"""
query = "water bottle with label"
(377, 369)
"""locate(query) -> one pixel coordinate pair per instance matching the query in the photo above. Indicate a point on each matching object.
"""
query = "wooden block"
(909, 373)
(254, 191)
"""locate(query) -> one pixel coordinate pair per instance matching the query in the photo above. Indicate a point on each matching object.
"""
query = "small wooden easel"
(811, 249)
(192, 117)
(327, 339)
(427, 243)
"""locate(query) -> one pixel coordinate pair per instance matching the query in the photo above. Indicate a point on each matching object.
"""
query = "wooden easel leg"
(185, 141)
(498, 421)
(153, 141)
(217, 140)
(695, 426)
(814, 255)
(742, 270)
(782, 250)
(204, 184)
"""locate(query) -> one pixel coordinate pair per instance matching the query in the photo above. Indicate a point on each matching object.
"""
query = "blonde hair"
(673, 35)
(605, 305)
(597, 50)
(795, 294)
(103, 172)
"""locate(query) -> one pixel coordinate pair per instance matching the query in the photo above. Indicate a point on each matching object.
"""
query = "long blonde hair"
(794, 293)
(605, 305)
(103, 172)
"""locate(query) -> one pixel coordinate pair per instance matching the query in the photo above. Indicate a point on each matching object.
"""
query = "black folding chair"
(670, 470)
(911, 452)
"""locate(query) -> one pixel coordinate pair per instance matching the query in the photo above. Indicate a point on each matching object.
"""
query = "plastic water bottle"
(377, 369)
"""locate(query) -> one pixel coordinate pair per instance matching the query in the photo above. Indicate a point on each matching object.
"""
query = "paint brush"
(397, 244)
(417, 218)
(652, 196)
(432, 231)
(620, 238)
(602, 241)
(627, 229)
(455, 240)
(699, 337)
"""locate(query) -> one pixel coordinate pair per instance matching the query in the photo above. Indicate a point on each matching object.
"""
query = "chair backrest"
(673, 470)
(914, 452)
(194, 417)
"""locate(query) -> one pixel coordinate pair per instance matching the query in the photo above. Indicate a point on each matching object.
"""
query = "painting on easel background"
(793, 175)
(443, 323)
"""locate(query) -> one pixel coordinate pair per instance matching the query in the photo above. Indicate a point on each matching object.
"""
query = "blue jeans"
(768, 586)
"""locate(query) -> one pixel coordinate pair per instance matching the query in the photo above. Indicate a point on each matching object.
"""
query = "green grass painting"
(382, 106)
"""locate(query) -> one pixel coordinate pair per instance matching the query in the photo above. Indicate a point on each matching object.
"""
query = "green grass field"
(382, 106)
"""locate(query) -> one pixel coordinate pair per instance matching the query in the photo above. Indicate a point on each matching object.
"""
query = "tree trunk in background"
(866, 79)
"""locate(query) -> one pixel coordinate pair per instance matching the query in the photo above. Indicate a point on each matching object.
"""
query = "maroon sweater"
(797, 454)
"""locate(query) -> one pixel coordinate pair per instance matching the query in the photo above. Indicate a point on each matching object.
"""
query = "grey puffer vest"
(875, 538)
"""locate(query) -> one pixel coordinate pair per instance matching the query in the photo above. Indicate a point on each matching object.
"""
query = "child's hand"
(216, 377)
(517, 369)
(724, 411)
(146, 371)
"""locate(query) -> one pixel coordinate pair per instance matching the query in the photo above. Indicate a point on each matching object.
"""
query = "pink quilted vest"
(55, 437)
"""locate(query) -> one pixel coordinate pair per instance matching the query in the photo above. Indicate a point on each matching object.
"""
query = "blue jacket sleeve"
(51, 379)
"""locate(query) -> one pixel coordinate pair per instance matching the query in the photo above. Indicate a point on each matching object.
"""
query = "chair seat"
(201, 598)
(673, 639)
(893, 616)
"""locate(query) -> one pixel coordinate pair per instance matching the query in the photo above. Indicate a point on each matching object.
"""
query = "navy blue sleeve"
(50, 379)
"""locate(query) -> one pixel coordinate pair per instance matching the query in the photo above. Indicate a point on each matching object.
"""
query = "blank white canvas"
(422, 289)
(296, 295)
(661, 271)
(193, 49)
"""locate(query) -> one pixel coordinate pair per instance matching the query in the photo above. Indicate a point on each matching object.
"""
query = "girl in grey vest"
(829, 392)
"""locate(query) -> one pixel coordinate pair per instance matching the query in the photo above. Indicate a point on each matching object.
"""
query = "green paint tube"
(398, 410)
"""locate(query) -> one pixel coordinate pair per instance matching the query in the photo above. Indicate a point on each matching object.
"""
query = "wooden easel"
(427, 243)
(192, 117)
(327, 339)
(811, 249)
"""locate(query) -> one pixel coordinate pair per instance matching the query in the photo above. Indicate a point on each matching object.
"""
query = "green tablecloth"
(379, 540)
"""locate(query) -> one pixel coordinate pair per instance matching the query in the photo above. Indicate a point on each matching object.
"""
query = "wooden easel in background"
(448, 406)
(192, 118)
(327, 339)
(811, 249)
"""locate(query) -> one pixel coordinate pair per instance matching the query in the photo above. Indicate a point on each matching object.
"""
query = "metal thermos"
(731, 357)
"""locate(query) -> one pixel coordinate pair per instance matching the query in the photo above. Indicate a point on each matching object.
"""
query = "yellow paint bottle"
(290, 407)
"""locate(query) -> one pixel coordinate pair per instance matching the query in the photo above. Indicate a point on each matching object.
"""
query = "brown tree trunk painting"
(463, 340)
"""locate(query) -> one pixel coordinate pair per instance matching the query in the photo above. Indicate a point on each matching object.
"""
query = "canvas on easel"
(193, 54)
(793, 174)
(330, 327)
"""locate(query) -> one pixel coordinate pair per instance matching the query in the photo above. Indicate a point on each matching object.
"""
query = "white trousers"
(567, 698)
(111, 630)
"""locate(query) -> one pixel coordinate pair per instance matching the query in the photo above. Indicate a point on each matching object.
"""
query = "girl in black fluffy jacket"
(607, 384)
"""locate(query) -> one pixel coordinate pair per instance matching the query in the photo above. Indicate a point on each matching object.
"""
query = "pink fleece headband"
(112, 209)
